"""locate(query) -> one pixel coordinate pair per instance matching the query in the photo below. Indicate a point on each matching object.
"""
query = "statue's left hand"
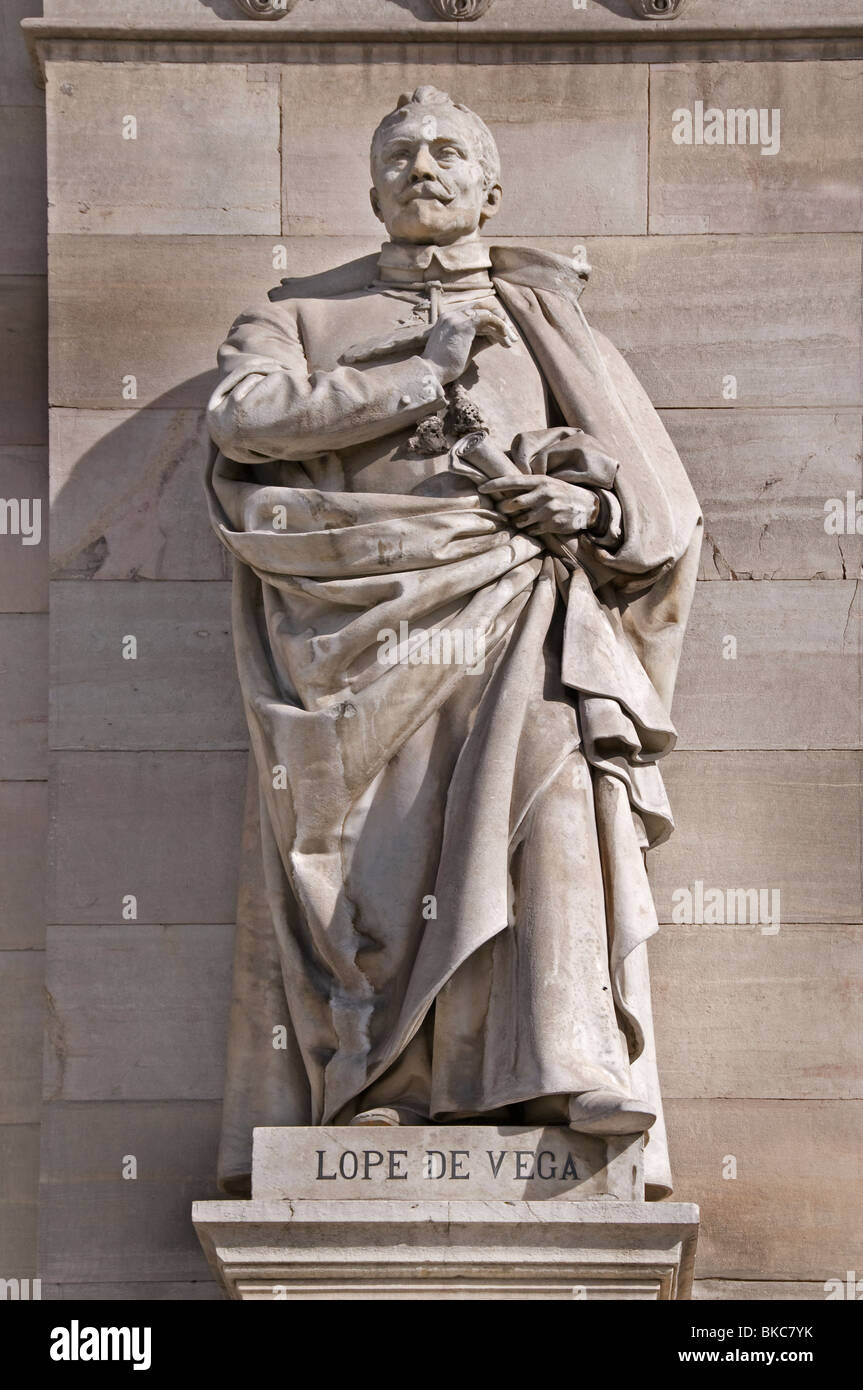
(541, 505)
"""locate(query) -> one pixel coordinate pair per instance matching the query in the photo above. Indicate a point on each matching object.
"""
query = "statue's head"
(435, 170)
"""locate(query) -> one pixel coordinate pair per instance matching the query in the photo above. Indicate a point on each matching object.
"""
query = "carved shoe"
(609, 1112)
(381, 1115)
(390, 1115)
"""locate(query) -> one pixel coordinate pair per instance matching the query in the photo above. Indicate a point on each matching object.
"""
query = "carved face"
(429, 184)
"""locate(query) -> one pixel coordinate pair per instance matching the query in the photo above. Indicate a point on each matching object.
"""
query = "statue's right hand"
(452, 338)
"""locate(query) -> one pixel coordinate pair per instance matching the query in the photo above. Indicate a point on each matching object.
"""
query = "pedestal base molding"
(378, 1249)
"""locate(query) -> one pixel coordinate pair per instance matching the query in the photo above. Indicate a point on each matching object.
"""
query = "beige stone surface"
(126, 496)
(746, 1291)
(745, 15)
(813, 183)
(762, 478)
(163, 827)
(19, 1183)
(181, 691)
(23, 360)
(137, 1012)
(180, 293)
(23, 695)
(774, 820)
(23, 834)
(142, 11)
(782, 314)
(740, 1013)
(337, 13)
(24, 568)
(96, 1226)
(794, 1207)
(587, 121)
(793, 640)
(453, 1163)
(219, 121)
(23, 212)
(21, 1010)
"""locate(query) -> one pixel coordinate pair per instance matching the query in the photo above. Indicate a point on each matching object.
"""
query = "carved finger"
(512, 506)
(510, 483)
(493, 486)
(539, 516)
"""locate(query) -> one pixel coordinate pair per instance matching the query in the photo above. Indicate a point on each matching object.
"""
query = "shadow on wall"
(422, 10)
(621, 8)
(224, 9)
(127, 491)
(129, 504)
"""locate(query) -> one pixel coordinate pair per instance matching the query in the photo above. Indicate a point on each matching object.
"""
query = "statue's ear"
(376, 204)
(492, 201)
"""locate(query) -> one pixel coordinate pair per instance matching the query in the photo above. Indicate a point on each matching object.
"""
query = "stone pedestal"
(448, 1212)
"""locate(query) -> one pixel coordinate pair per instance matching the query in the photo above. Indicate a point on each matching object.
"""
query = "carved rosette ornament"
(265, 9)
(658, 9)
(460, 9)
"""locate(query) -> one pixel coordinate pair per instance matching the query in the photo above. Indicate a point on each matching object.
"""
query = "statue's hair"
(486, 149)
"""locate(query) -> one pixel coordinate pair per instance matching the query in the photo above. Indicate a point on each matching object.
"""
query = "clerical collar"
(464, 266)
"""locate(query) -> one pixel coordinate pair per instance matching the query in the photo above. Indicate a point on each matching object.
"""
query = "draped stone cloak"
(339, 985)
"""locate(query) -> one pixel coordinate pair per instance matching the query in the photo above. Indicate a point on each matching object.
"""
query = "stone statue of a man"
(465, 555)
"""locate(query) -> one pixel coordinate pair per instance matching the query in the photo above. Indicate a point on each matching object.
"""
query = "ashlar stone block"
(111, 126)
(785, 156)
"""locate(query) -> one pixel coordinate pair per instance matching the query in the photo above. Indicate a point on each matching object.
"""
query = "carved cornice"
(458, 9)
(202, 37)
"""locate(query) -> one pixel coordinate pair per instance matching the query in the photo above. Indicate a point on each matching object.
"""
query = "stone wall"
(249, 162)
(23, 640)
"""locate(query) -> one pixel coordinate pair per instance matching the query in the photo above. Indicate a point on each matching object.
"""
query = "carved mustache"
(423, 192)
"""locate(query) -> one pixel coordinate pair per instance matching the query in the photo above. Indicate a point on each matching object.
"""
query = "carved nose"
(422, 167)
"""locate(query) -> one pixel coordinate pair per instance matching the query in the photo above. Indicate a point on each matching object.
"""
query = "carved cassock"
(456, 908)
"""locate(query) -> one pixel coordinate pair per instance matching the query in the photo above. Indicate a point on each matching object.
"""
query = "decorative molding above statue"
(459, 9)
